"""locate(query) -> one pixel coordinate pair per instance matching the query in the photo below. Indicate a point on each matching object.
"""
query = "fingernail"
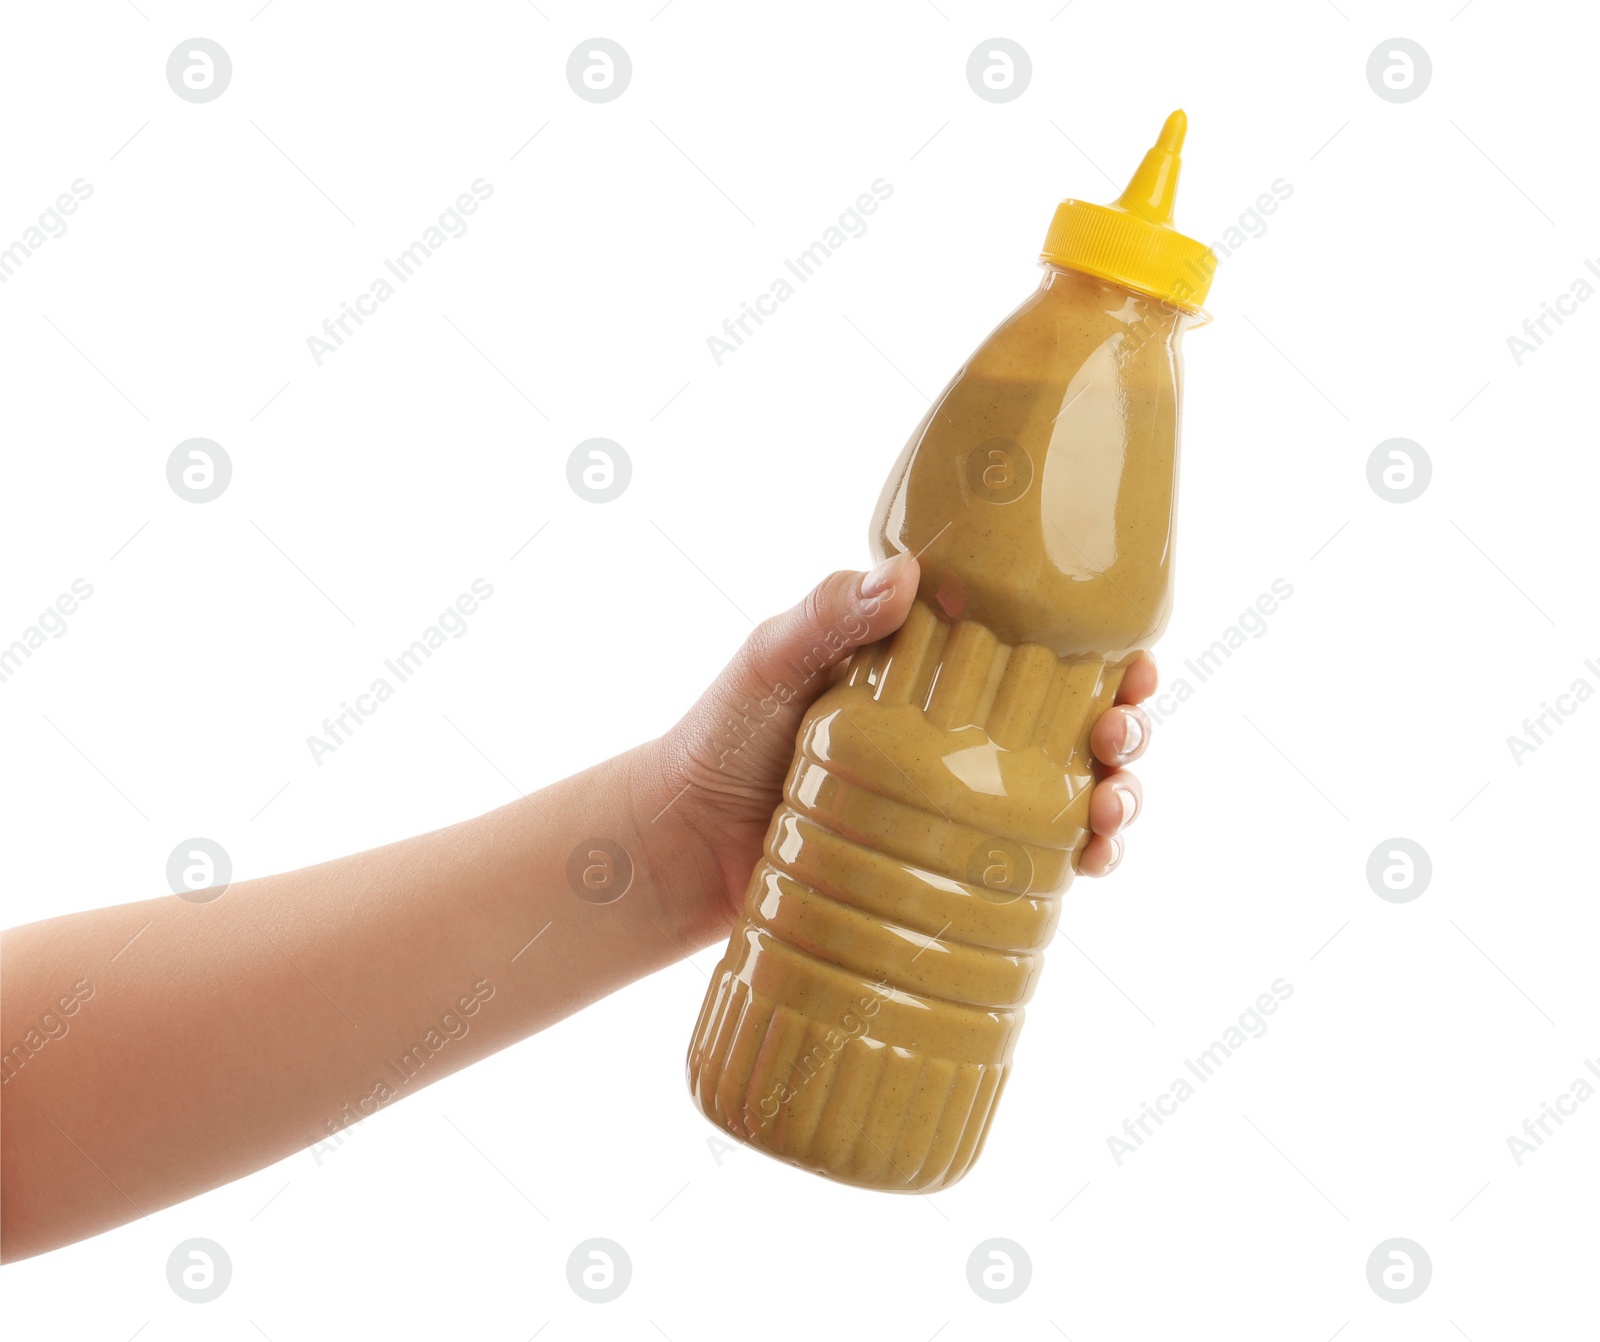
(1130, 804)
(879, 580)
(1133, 738)
(1116, 854)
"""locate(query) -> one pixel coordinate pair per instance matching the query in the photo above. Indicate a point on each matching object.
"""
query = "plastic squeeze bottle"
(862, 1021)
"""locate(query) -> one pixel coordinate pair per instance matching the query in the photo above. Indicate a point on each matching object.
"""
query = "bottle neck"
(1156, 317)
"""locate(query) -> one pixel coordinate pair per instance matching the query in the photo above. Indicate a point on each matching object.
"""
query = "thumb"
(843, 612)
(752, 710)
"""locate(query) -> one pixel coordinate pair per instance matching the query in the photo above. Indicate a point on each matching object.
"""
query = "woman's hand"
(726, 761)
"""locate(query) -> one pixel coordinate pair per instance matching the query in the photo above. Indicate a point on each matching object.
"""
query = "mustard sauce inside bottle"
(862, 1020)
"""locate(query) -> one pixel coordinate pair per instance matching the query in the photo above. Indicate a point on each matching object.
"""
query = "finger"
(796, 650)
(739, 735)
(1101, 856)
(1115, 803)
(1120, 735)
(1138, 681)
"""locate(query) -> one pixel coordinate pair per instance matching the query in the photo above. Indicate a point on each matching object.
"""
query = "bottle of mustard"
(862, 1021)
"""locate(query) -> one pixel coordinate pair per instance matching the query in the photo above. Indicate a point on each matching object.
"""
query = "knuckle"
(817, 608)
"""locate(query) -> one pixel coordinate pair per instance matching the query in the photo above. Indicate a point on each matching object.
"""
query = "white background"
(368, 492)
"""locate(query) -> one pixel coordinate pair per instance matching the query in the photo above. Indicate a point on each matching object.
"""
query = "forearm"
(221, 1036)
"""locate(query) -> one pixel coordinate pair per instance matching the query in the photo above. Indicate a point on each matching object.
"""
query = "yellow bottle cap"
(1133, 243)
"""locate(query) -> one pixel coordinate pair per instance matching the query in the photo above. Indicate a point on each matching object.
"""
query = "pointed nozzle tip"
(1172, 132)
(1154, 184)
